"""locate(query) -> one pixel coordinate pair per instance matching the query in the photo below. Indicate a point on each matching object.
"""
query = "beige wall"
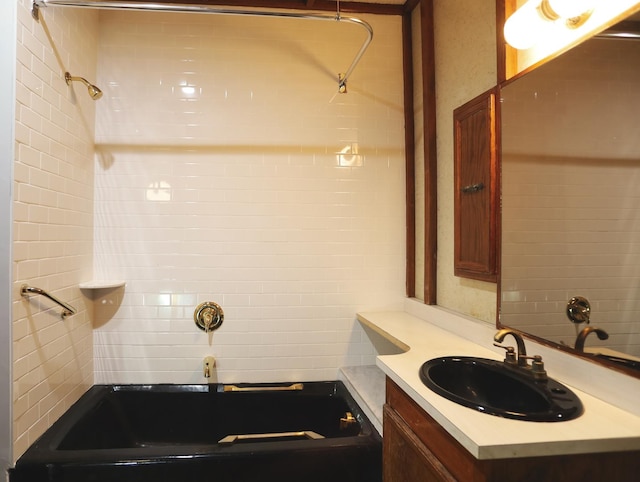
(53, 220)
(465, 67)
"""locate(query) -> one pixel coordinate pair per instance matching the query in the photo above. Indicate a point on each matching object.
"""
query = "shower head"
(94, 91)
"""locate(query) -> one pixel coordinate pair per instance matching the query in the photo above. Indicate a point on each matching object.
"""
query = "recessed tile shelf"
(98, 285)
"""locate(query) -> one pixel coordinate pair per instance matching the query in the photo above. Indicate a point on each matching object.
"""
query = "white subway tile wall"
(570, 197)
(53, 216)
(230, 170)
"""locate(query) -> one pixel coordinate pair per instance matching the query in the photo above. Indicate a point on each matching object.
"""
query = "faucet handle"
(537, 367)
(510, 356)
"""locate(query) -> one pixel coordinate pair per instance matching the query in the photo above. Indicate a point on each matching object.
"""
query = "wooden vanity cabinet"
(405, 457)
(417, 449)
(476, 188)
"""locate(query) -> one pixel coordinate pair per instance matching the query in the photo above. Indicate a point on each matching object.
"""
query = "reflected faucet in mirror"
(585, 332)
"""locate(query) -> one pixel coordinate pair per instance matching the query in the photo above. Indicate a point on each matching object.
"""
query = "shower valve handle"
(208, 316)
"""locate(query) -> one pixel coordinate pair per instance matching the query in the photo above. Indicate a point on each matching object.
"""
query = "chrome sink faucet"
(519, 360)
(522, 350)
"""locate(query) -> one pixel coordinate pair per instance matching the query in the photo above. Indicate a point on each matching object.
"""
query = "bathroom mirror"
(571, 200)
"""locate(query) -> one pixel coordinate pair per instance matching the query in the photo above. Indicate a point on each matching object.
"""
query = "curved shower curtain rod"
(166, 7)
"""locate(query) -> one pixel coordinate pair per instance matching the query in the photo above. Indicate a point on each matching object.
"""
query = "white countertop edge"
(603, 427)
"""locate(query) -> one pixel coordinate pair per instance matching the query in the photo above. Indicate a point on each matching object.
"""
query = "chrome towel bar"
(67, 309)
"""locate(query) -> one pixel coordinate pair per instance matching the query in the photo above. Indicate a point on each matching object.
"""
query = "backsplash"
(229, 169)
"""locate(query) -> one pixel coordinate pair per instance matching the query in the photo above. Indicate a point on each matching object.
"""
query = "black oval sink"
(490, 386)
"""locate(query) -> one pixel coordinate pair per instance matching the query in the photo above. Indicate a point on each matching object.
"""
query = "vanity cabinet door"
(405, 457)
(418, 446)
(476, 192)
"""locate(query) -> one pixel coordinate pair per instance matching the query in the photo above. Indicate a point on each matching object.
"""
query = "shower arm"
(68, 78)
(161, 7)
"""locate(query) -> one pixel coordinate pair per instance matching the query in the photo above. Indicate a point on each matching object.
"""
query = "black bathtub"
(181, 433)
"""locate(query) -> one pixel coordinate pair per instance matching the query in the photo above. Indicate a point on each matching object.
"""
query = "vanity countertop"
(602, 428)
